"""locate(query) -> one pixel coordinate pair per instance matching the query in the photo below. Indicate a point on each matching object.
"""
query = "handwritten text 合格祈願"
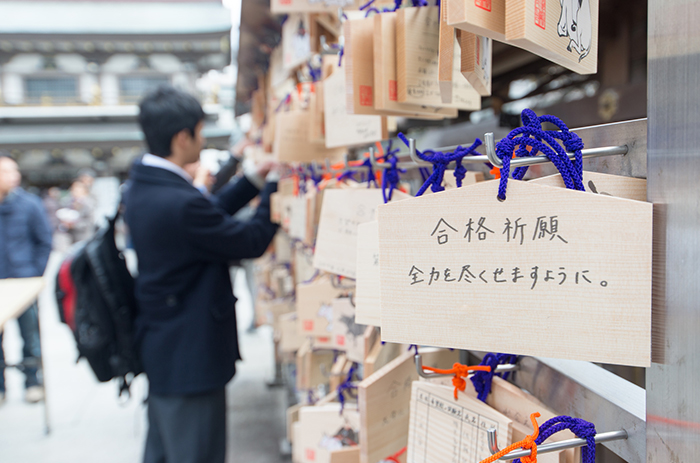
(515, 230)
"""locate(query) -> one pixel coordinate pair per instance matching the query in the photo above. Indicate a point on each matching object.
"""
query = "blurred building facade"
(72, 73)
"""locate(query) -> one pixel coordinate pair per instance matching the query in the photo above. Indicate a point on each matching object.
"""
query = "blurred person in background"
(25, 245)
(78, 218)
(52, 203)
(184, 241)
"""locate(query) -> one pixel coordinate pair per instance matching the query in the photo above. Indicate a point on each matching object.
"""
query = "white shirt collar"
(152, 160)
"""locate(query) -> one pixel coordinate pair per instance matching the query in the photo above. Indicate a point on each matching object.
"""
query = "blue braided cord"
(440, 162)
(542, 141)
(581, 428)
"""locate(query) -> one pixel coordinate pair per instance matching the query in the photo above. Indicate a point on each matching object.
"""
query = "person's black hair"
(163, 113)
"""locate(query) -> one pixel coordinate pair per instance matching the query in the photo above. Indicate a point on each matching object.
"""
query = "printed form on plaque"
(547, 272)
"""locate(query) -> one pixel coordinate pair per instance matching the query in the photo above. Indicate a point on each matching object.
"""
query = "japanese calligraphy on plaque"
(575, 268)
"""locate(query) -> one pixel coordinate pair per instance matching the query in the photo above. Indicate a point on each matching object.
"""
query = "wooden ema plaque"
(315, 307)
(342, 128)
(444, 429)
(296, 41)
(564, 32)
(348, 335)
(417, 66)
(476, 59)
(482, 17)
(462, 269)
(324, 430)
(292, 143)
(385, 79)
(341, 212)
(384, 399)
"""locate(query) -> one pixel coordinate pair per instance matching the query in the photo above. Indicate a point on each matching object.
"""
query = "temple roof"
(17, 17)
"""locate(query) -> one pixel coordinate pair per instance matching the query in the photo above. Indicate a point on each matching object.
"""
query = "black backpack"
(95, 295)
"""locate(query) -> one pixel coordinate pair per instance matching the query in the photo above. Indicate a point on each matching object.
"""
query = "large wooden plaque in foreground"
(549, 272)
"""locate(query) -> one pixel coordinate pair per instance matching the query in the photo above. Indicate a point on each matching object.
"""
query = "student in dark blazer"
(184, 241)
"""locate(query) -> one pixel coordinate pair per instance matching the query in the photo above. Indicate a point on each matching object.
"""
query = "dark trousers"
(31, 351)
(186, 429)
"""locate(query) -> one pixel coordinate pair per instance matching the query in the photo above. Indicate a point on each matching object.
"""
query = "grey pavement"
(88, 423)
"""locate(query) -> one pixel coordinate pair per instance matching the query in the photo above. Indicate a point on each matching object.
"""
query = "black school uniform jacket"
(186, 322)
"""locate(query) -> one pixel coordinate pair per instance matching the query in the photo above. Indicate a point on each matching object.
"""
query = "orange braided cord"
(460, 371)
(527, 443)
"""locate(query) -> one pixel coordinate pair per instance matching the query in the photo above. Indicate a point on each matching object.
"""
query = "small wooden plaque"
(315, 307)
(417, 44)
(342, 211)
(476, 60)
(385, 78)
(348, 335)
(324, 429)
(572, 266)
(292, 144)
(481, 17)
(342, 128)
(564, 32)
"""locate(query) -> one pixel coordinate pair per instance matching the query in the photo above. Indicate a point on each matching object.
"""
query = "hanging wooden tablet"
(384, 400)
(446, 46)
(417, 43)
(359, 66)
(564, 32)
(314, 306)
(476, 58)
(573, 267)
(342, 211)
(385, 79)
(444, 429)
(324, 429)
(296, 41)
(341, 127)
(292, 144)
(604, 184)
(367, 293)
(310, 6)
(289, 336)
(346, 455)
(348, 335)
(482, 17)
(313, 366)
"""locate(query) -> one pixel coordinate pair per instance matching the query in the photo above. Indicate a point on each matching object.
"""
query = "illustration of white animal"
(575, 23)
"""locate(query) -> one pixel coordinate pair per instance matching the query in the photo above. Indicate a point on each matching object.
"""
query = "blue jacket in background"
(186, 321)
(25, 236)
